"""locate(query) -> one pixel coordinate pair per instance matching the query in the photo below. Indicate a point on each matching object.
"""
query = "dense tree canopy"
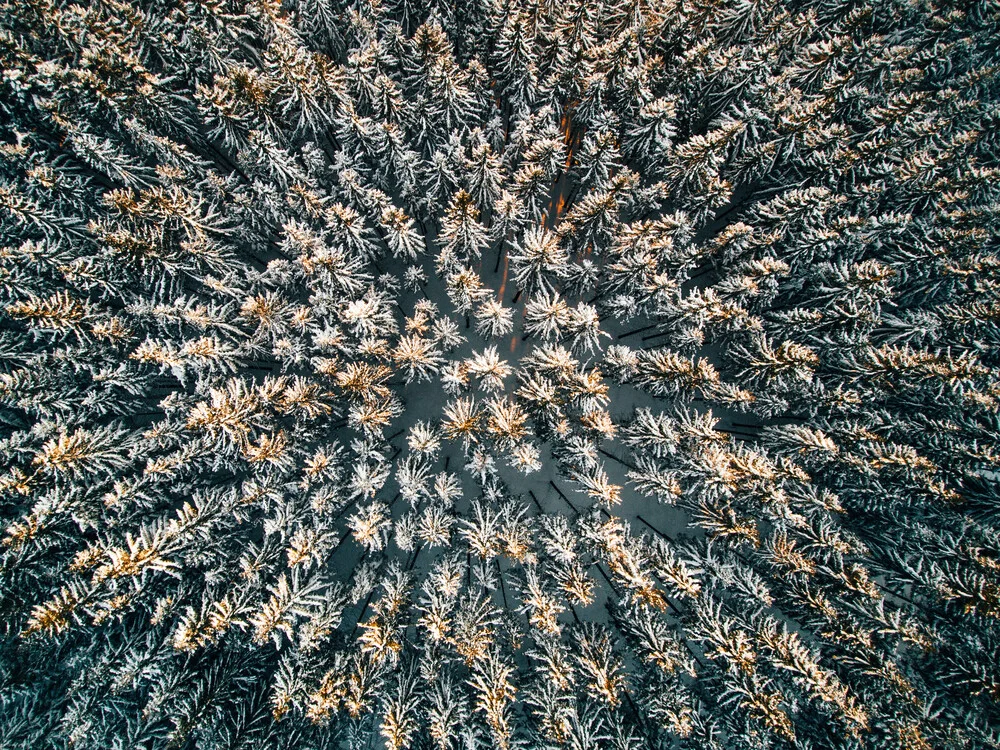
(493, 374)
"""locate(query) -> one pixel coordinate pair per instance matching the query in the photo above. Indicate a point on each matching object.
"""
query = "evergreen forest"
(499, 374)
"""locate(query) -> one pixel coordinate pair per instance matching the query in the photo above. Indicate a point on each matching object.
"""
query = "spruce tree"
(499, 375)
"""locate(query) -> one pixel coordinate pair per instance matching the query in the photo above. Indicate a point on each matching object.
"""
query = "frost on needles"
(494, 375)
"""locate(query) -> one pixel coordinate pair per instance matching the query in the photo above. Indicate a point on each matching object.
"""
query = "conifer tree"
(485, 375)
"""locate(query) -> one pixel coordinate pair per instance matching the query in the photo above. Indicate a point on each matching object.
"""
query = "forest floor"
(545, 490)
